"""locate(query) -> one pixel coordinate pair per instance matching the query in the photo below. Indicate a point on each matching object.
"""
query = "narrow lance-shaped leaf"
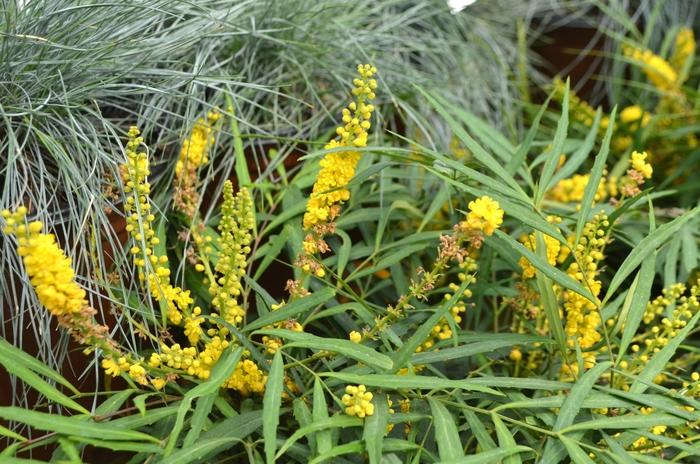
(550, 164)
(272, 401)
(594, 180)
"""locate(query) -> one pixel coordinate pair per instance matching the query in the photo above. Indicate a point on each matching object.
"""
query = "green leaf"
(552, 161)
(632, 312)
(549, 300)
(354, 447)
(353, 350)
(420, 334)
(241, 164)
(375, 429)
(594, 179)
(238, 427)
(494, 456)
(77, 426)
(420, 382)
(18, 365)
(505, 439)
(221, 371)
(199, 418)
(478, 152)
(577, 455)
(572, 405)
(478, 429)
(626, 422)
(446, 433)
(131, 446)
(648, 245)
(574, 162)
(464, 351)
(200, 450)
(272, 401)
(320, 413)
(10, 352)
(291, 310)
(331, 423)
(113, 402)
(276, 244)
(521, 155)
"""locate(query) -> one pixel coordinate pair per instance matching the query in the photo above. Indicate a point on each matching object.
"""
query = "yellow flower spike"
(49, 269)
(484, 215)
(236, 224)
(684, 49)
(659, 72)
(195, 149)
(338, 167)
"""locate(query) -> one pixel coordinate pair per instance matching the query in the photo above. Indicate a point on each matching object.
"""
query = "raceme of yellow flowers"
(338, 167)
(53, 279)
(195, 149)
(49, 269)
(194, 154)
(152, 267)
(582, 318)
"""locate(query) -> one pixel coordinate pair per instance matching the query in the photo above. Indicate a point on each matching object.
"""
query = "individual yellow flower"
(485, 214)
(357, 401)
(640, 165)
(355, 336)
(338, 167)
(49, 269)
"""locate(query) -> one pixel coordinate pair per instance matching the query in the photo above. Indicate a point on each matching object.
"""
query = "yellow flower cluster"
(442, 330)
(139, 224)
(639, 164)
(572, 189)
(684, 48)
(555, 253)
(644, 442)
(338, 167)
(659, 72)
(195, 149)
(680, 309)
(357, 401)
(485, 215)
(582, 317)
(236, 225)
(49, 269)
(247, 378)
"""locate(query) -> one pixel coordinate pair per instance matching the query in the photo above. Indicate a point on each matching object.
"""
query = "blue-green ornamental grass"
(506, 298)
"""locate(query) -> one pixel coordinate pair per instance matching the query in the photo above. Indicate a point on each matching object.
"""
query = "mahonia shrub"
(658, 115)
(386, 301)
